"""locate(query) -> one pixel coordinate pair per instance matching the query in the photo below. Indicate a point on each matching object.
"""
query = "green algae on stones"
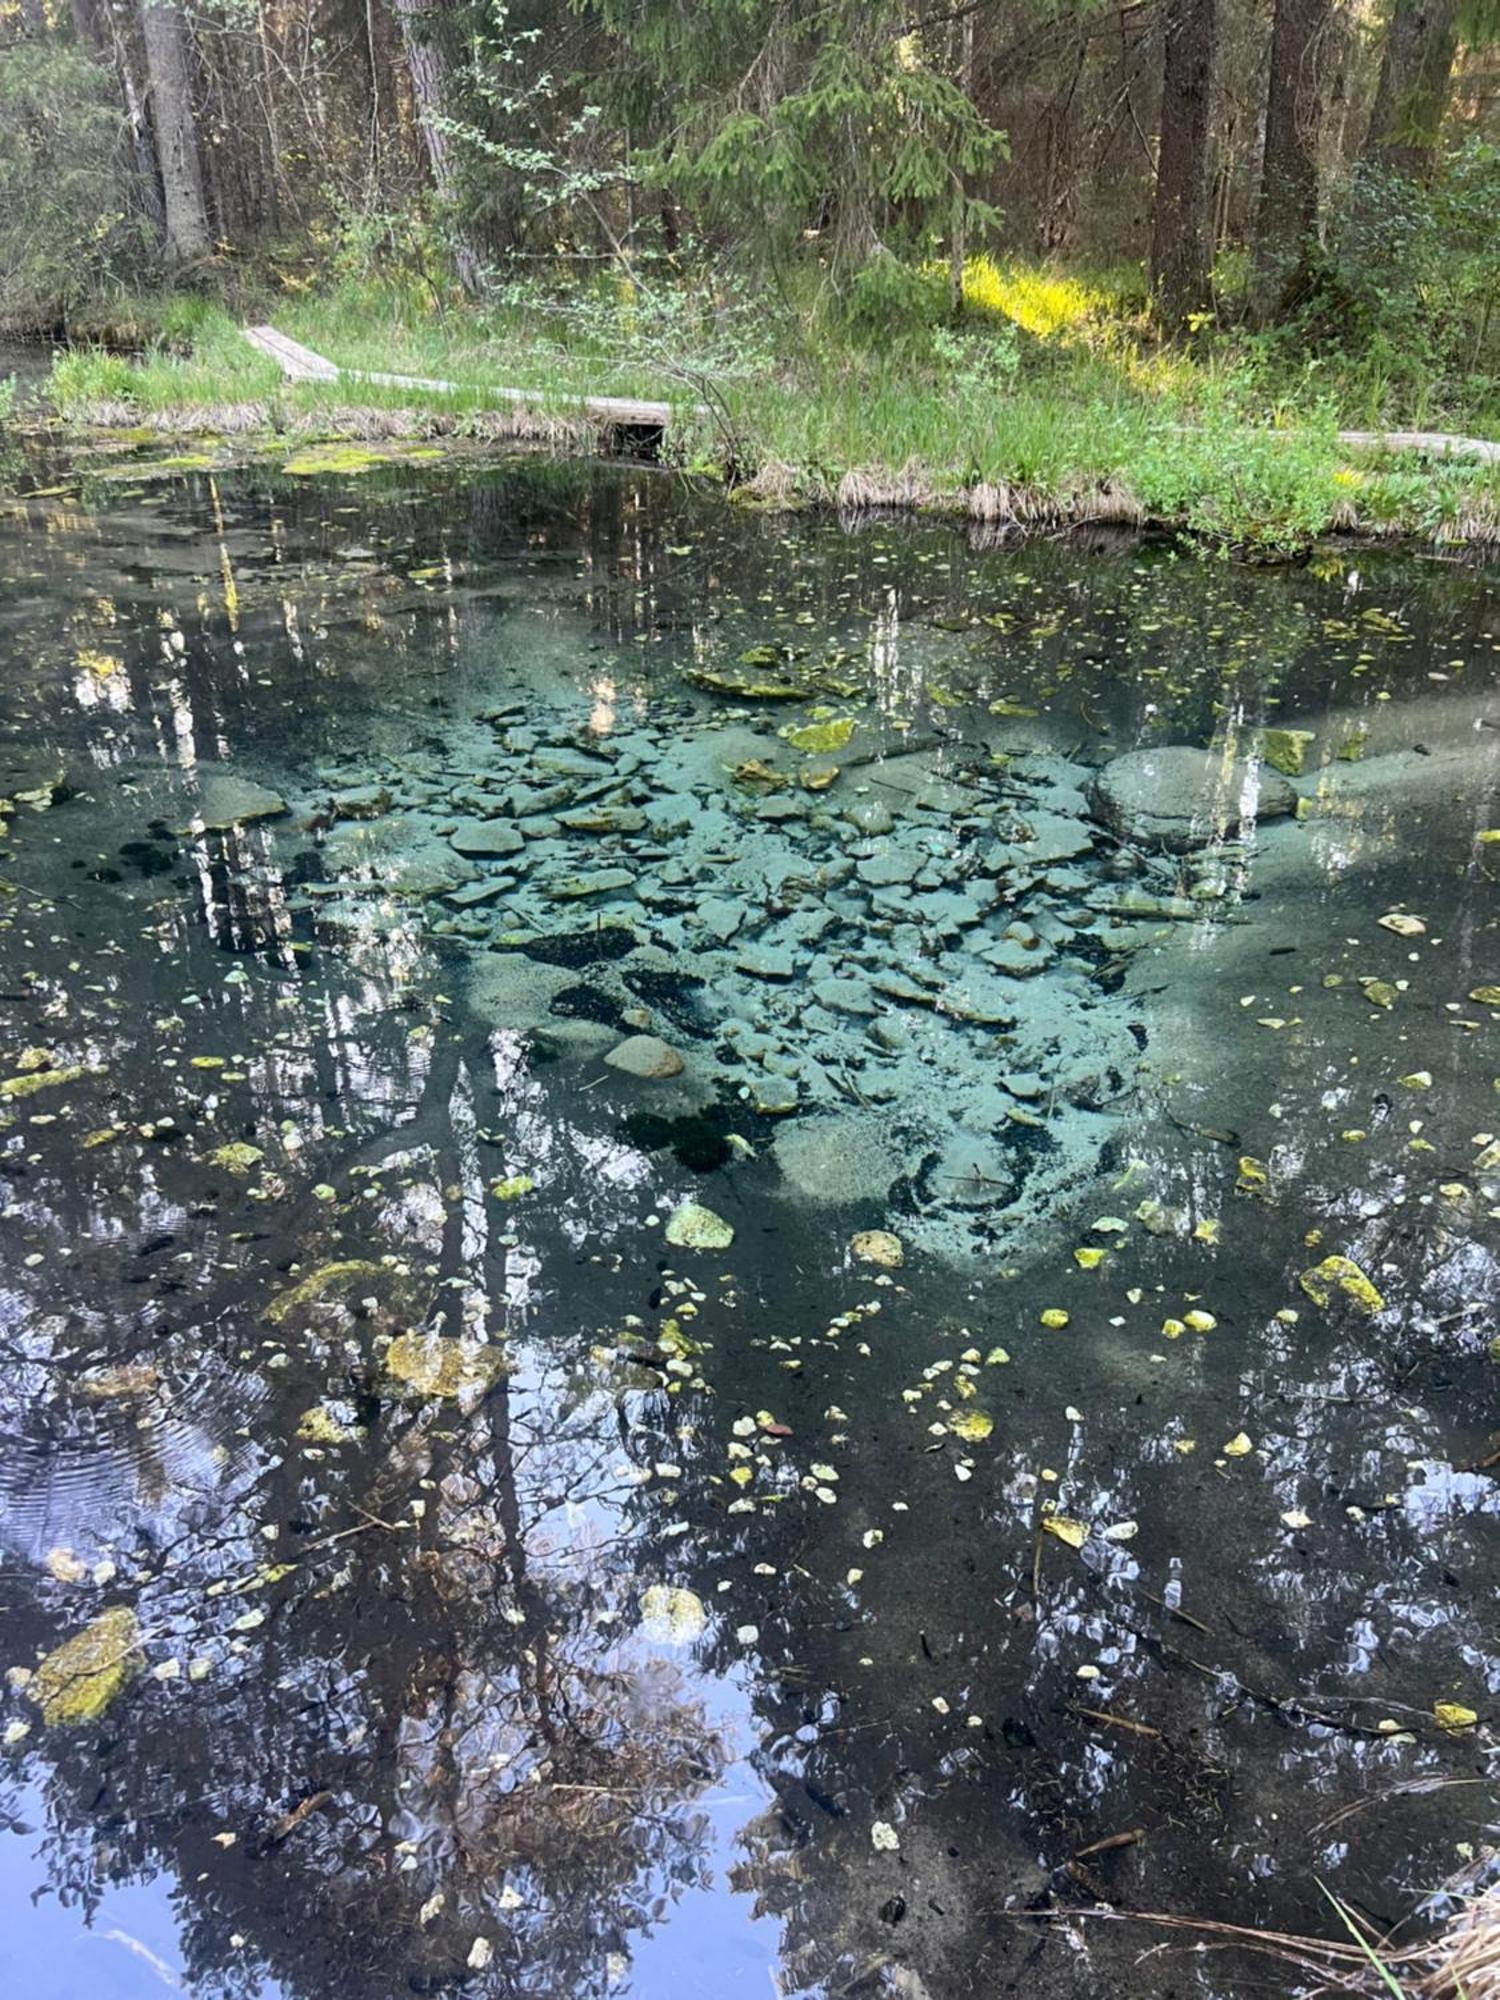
(236, 1158)
(430, 1364)
(1341, 1274)
(347, 459)
(335, 1276)
(820, 738)
(672, 1616)
(693, 1227)
(78, 1681)
(1285, 750)
(12, 1087)
(323, 1425)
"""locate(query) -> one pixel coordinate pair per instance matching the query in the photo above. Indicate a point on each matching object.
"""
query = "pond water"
(491, 958)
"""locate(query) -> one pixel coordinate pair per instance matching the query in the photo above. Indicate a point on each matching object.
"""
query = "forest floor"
(1046, 404)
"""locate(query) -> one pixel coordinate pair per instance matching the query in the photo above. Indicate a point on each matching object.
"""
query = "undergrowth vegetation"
(1045, 395)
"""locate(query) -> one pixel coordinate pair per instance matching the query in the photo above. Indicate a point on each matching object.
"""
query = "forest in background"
(988, 239)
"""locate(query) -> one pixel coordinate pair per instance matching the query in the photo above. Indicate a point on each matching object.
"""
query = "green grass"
(1049, 386)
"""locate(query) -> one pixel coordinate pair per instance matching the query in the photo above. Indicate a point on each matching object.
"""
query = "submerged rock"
(1341, 1275)
(878, 1246)
(773, 1096)
(486, 839)
(839, 1158)
(1178, 798)
(693, 1227)
(428, 1364)
(647, 1057)
(226, 800)
(79, 1681)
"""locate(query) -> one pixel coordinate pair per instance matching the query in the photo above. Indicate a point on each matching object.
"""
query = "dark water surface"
(468, 1591)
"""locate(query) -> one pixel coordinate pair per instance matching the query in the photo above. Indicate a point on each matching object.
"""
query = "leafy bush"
(1405, 306)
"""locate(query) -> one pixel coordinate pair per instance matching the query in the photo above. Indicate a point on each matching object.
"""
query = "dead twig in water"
(1114, 1722)
(1111, 1842)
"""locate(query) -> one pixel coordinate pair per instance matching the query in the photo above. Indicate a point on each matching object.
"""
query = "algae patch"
(13, 1087)
(343, 460)
(1341, 1274)
(78, 1681)
(428, 1364)
(328, 1278)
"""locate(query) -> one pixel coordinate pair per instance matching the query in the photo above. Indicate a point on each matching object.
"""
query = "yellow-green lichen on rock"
(78, 1681)
(1343, 1275)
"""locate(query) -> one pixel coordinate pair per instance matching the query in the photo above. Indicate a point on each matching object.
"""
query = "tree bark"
(431, 88)
(174, 125)
(1287, 221)
(1181, 237)
(33, 19)
(1411, 98)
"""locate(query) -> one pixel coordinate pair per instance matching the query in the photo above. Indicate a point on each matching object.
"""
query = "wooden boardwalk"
(300, 364)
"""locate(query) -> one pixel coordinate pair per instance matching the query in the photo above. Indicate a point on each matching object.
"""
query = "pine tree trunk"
(1411, 99)
(1287, 221)
(1181, 239)
(427, 65)
(164, 33)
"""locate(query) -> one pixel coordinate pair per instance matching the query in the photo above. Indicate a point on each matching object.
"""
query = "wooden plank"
(297, 363)
(1438, 444)
(300, 364)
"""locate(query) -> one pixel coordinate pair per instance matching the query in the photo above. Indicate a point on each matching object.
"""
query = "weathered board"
(300, 364)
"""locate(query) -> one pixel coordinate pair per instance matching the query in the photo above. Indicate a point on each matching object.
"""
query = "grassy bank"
(1046, 398)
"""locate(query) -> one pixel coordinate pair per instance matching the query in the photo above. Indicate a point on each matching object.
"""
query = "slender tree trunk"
(33, 19)
(1287, 221)
(164, 32)
(99, 32)
(431, 89)
(1181, 238)
(1411, 99)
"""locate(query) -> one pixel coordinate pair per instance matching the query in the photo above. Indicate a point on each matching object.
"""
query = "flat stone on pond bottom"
(646, 1057)
(226, 800)
(1178, 798)
(485, 839)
